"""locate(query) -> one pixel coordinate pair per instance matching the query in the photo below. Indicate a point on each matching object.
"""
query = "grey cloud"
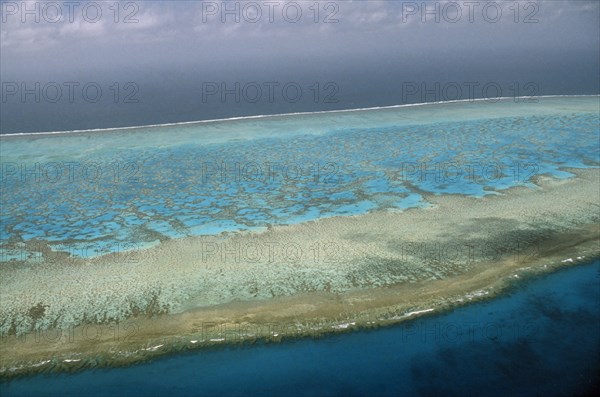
(175, 33)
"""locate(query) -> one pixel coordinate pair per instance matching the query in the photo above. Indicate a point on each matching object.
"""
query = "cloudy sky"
(365, 47)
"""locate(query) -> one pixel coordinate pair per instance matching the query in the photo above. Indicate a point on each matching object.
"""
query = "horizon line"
(261, 116)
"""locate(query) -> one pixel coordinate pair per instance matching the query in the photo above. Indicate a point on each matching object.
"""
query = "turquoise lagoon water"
(539, 340)
(95, 192)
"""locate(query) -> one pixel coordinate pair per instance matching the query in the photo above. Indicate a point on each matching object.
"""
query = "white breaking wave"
(264, 116)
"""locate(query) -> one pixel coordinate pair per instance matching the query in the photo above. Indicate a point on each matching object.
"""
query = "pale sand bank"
(330, 275)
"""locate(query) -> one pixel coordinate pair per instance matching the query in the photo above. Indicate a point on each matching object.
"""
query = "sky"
(339, 54)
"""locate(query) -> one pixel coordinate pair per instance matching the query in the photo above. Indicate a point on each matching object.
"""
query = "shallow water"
(89, 194)
(540, 339)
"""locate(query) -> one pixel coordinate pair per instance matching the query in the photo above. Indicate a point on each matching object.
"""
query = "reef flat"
(87, 194)
(309, 278)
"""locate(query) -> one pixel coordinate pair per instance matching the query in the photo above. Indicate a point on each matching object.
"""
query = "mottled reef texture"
(310, 278)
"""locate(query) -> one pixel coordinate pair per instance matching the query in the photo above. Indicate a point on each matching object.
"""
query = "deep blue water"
(541, 339)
